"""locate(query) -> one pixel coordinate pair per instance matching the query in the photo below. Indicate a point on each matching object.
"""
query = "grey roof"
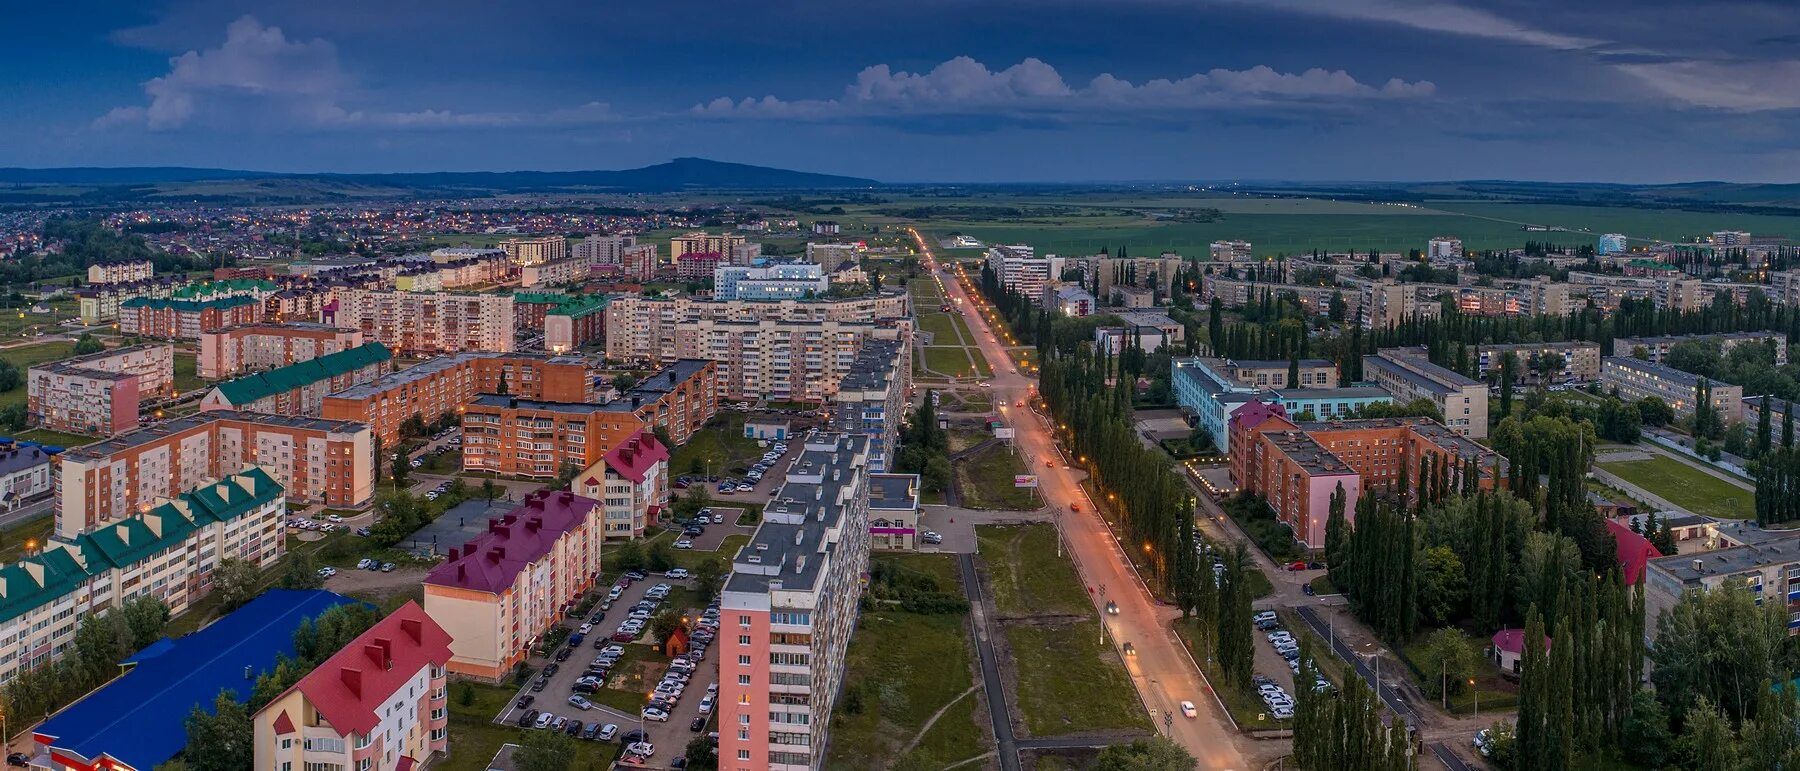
(894, 491)
(1421, 374)
(513, 402)
(1276, 363)
(17, 459)
(874, 365)
(1665, 372)
(1725, 562)
(1308, 453)
(798, 517)
(165, 429)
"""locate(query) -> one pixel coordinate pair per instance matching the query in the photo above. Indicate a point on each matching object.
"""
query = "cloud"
(1434, 16)
(260, 78)
(963, 86)
(1735, 86)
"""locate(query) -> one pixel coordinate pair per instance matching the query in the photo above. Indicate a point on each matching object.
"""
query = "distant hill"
(676, 175)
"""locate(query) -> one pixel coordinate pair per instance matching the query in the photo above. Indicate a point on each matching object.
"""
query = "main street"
(1163, 672)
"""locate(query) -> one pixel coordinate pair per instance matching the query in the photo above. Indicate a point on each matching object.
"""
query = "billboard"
(1025, 480)
(1003, 433)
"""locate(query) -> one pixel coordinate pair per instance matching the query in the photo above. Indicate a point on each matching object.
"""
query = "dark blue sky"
(920, 90)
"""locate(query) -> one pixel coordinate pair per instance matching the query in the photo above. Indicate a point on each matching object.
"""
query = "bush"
(1252, 513)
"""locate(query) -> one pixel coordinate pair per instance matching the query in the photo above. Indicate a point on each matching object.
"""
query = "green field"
(1025, 574)
(986, 480)
(186, 365)
(1071, 681)
(27, 356)
(719, 448)
(1687, 487)
(948, 360)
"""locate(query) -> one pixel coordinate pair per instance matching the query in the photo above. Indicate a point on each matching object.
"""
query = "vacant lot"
(985, 481)
(1687, 487)
(1070, 681)
(1026, 575)
(949, 360)
(719, 448)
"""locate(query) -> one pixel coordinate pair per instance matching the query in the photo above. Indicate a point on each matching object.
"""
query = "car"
(677, 574)
(718, 519)
(641, 748)
(585, 686)
(744, 488)
(416, 462)
(373, 565)
(550, 669)
(538, 685)
(655, 715)
(1130, 650)
(562, 655)
(1188, 710)
(580, 703)
(613, 650)
(559, 724)
(387, 567)
(607, 732)
(638, 614)
(698, 724)
(585, 628)
(364, 563)
(684, 544)
(544, 719)
(616, 592)
(1112, 608)
(525, 701)
(1282, 711)
(1075, 507)
(528, 718)
(327, 572)
(636, 574)
(1049, 464)
(334, 518)
(706, 702)
(573, 728)
(363, 531)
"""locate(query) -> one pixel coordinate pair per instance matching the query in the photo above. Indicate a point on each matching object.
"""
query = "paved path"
(990, 668)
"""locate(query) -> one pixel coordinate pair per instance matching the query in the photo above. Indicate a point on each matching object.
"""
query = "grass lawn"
(942, 330)
(1026, 575)
(901, 669)
(1245, 706)
(185, 368)
(474, 737)
(720, 445)
(27, 356)
(948, 360)
(1071, 681)
(56, 438)
(13, 538)
(640, 667)
(1687, 487)
(1496, 692)
(987, 481)
(691, 558)
(963, 438)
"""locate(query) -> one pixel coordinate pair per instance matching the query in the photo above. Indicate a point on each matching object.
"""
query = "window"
(743, 639)
(743, 679)
(743, 620)
(743, 661)
(743, 754)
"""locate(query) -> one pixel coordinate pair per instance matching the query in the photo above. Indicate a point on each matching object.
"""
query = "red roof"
(633, 457)
(1513, 641)
(355, 682)
(1254, 412)
(1635, 551)
(519, 538)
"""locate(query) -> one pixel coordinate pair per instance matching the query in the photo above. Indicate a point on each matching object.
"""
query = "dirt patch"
(374, 582)
(646, 671)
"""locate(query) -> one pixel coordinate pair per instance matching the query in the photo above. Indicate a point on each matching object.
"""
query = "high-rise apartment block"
(236, 350)
(536, 250)
(1611, 243)
(99, 303)
(698, 242)
(500, 592)
(1408, 374)
(443, 385)
(781, 281)
(100, 393)
(1555, 362)
(1444, 248)
(186, 319)
(1019, 269)
(533, 438)
(1230, 251)
(603, 250)
(871, 398)
(789, 608)
(1636, 379)
(575, 322)
(120, 271)
(1656, 349)
(314, 460)
(427, 323)
(631, 482)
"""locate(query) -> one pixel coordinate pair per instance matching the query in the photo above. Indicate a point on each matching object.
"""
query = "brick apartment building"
(99, 394)
(380, 702)
(314, 460)
(442, 385)
(300, 388)
(235, 350)
(680, 398)
(575, 322)
(1297, 466)
(631, 483)
(186, 319)
(533, 438)
(427, 323)
(497, 594)
(120, 271)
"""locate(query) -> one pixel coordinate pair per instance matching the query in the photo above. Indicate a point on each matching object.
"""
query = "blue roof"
(140, 718)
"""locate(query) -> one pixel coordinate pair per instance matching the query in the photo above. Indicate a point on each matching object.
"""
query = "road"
(1162, 670)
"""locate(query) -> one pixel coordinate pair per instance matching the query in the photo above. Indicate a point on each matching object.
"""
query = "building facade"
(428, 323)
(1637, 379)
(235, 350)
(871, 399)
(300, 388)
(1575, 360)
(120, 271)
(1656, 349)
(781, 281)
(1019, 269)
(100, 393)
(186, 319)
(680, 398)
(536, 250)
(443, 385)
(532, 438)
(99, 303)
(1408, 375)
(631, 483)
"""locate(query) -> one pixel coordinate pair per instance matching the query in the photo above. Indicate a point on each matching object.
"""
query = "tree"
(222, 739)
(489, 490)
(1337, 536)
(1655, 411)
(629, 556)
(701, 755)
(1706, 742)
(1764, 427)
(709, 575)
(660, 557)
(1446, 660)
(10, 377)
(301, 572)
(87, 344)
(145, 618)
(402, 471)
(1721, 647)
(1509, 366)
(1237, 650)
(1547, 563)
(235, 581)
(663, 624)
(565, 475)
(545, 751)
(1443, 585)
(1156, 753)
(624, 381)
(1646, 739)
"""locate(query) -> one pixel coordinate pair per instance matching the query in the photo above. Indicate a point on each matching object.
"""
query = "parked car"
(544, 719)
(718, 519)
(580, 703)
(654, 714)
(387, 567)
(327, 572)
(698, 725)
(590, 731)
(1112, 608)
(684, 544)
(608, 731)
(932, 536)
(677, 573)
(525, 701)
(528, 718)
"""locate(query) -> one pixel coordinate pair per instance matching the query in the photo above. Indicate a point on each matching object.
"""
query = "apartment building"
(1444, 248)
(497, 594)
(603, 250)
(1297, 467)
(298, 305)
(680, 398)
(789, 608)
(780, 281)
(381, 702)
(536, 250)
(1765, 563)
(1326, 403)
(428, 323)
(1019, 269)
(701, 243)
(99, 394)
(575, 322)
(300, 388)
(436, 276)
(831, 255)
(631, 483)
(99, 303)
(168, 551)
(1384, 304)
(1656, 349)
(235, 350)
(530, 308)
(1230, 251)
(1408, 374)
(1576, 360)
(186, 319)
(533, 438)
(1636, 379)
(1156, 274)
(697, 266)
(24, 475)
(443, 385)
(314, 460)
(1671, 292)
(1784, 287)
(1273, 373)
(1541, 297)
(1071, 301)
(454, 253)
(745, 254)
(1237, 293)
(871, 398)
(1208, 389)
(568, 271)
(638, 262)
(120, 271)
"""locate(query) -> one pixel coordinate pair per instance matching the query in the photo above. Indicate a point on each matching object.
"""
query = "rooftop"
(350, 688)
(492, 561)
(1308, 454)
(506, 402)
(635, 456)
(1412, 367)
(1660, 371)
(802, 520)
(435, 366)
(894, 491)
(250, 388)
(168, 428)
(1361, 392)
(140, 718)
(158, 303)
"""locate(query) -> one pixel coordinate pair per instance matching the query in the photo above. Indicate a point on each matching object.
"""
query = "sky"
(917, 90)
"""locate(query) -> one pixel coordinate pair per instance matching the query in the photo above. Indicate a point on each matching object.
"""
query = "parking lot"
(774, 471)
(717, 533)
(630, 680)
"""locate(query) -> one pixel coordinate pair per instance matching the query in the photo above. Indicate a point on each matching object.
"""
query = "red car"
(1074, 507)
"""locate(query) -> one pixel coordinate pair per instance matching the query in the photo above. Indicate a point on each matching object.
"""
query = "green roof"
(233, 286)
(188, 305)
(250, 388)
(1651, 265)
(581, 305)
(64, 567)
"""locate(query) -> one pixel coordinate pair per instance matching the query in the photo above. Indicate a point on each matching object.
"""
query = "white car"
(333, 518)
(641, 749)
(327, 572)
(586, 628)
(654, 714)
(677, 573)
(1187, 709)
(684, 544)
(706, 705)
(718, 519)
(544, 720)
